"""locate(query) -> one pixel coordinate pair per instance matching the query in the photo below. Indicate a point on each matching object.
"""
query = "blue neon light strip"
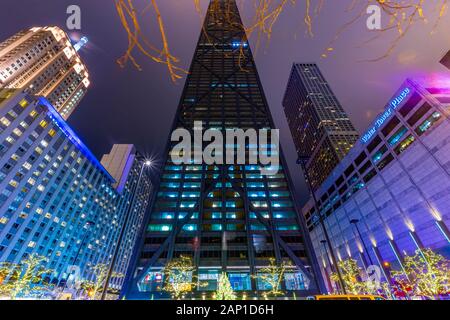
(388, 113)
(442, 231)
(72, 136)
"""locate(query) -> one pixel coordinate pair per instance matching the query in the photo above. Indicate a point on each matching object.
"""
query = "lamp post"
(303, 161)
(88, 224)
(355, 223)
(146, 164)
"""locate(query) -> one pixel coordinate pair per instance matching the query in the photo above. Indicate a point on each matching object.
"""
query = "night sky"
(129, 106)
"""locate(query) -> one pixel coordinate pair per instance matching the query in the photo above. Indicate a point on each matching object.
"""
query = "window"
(427, 124)
(240, 281)
(405, 144)
(374, 144)
(160, 227)
(419, 114)
(397, 136)
(390, 126)
(294, 281)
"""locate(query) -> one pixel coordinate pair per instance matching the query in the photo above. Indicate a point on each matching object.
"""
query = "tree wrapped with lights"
(272, 275)
(224, 289)
(401, 16)
(179, 277)
(351, 276)
(427, 273)
(24, 279)
(100, 272)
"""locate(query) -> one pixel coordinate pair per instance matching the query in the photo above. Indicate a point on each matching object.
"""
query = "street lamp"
(87, 225)
(146, 164)
(355, 223)
(303, 161)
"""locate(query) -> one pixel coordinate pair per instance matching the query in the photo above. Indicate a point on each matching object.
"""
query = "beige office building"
(42, 61)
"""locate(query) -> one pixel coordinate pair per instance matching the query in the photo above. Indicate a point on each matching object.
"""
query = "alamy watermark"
(374, 20)
(73, 21)
(237, 147)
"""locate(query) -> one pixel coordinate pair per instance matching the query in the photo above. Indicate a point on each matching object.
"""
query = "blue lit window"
(193, 176)
(397, 136)
(255, 185)
(160, 227)
(167, 194)
(287, 227)
(259, 204)
(257, 194)
(174, 168)
(257, 227)
(281, 204)
(231, 215)
(171, 176)
(193, 168)
(294, 281)
(216, 215)
(265, 215)
(187, 205)
(227, 185)
(191, 185)
(253, 176)
(172, 185)
(231, 204)
(279, 194)
(379, 154)
(284, 215)
(183, 215)
(190, 227)
(167, 215)
(217, 204)
(427, 124)
(240, 281)
(262, 284)
(190, 195)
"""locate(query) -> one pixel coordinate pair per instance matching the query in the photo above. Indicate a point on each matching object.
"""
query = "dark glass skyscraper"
(227, 218)
(321, 129)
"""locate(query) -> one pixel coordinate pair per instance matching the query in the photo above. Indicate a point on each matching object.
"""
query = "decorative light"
(410, 225)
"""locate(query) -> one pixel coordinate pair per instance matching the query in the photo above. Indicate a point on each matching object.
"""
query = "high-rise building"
(43, 62)
(126, 166)
(226, 218)
(390, 195)
(446, 60)
(322, 132)
(57, 200)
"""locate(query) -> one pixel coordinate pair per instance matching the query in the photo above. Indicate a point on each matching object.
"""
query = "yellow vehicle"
(345, 297)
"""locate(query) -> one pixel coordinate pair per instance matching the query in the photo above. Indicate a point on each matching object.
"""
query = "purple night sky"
(128, 106)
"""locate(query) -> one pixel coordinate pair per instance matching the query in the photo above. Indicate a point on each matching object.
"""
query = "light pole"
(355, 223)
(302, 161)
(146, 164)
(88, 224)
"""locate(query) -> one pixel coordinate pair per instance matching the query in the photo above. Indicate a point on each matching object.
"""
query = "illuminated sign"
(393, 105)
(70, 134)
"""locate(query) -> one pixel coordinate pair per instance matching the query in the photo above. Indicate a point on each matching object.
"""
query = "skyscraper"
(227, 218)
(322, 131)
(42, 61)
(57, 200)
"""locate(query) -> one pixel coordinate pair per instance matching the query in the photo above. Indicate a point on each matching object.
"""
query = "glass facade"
(225, 217)
(56, 199)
